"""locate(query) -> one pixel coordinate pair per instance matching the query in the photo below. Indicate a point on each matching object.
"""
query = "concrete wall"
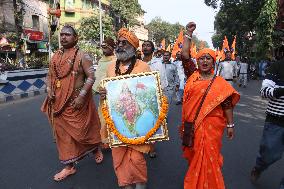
(22, 83)
(36, 7)
(7, 20)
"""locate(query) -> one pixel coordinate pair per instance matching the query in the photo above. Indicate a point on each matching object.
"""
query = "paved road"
(28, 157)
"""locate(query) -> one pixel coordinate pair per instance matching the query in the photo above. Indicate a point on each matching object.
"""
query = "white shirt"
(228, 69)
(157, 65)
(181, 74)
(243, 68)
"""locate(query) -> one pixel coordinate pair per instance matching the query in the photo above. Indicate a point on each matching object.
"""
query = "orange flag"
(193, 52)
(225, 46)
(219, 54)
(169, 48)
(178, 44)
(202, 45)
(163, 44)
(234, 48)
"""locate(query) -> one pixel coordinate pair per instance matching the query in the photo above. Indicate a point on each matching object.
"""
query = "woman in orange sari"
(216, 113)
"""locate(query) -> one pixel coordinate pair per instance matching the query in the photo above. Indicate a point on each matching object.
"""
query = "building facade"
(72, 11)
(34, 23)
(140, 31)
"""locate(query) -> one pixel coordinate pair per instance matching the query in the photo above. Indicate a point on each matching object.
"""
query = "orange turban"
(129, 36)
(206, 51)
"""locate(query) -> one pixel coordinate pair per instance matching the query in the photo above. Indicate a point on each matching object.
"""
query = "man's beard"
(124, 54)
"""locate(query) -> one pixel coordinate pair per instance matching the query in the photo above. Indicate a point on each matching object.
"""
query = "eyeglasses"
(124, 42)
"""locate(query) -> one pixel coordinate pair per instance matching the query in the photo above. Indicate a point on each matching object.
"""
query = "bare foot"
(64, 173)
(98, 156)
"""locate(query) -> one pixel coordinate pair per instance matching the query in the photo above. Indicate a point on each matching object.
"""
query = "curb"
(15, 97)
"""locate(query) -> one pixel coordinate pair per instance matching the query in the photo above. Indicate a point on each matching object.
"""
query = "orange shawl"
(76, 131)
(64, 93)
(205, 159)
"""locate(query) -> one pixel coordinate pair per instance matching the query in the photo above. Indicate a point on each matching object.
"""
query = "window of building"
(69, 6)
(87, 4)
(35, 19)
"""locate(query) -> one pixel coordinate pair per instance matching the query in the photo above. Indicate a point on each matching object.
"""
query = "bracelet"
(230, 125)
(83, 93)
(188, 36)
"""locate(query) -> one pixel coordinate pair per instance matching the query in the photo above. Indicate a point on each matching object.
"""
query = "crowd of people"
(203, 86)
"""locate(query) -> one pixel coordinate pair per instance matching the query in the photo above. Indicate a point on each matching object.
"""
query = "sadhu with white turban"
(216, 114)
(129, 162)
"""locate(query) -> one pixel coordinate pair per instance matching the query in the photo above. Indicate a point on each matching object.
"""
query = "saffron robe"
(205, 159)
(128, 161)
(77, 132)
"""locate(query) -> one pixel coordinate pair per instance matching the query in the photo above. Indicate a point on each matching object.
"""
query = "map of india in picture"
(133, 105)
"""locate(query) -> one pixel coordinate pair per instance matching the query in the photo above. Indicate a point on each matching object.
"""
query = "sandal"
(64, 173)
(99, 156)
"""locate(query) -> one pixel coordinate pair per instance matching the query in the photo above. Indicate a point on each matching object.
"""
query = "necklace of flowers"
(141, 140)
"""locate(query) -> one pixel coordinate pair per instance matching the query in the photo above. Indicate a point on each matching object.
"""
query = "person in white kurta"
(155, 65)
(243, 78)
(228, 69)
(181, 76)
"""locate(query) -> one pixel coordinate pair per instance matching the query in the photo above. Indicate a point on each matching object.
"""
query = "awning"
(34, 35)
(42, 45)
(4, 42)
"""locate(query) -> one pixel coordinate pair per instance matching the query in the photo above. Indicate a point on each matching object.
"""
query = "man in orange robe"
(204, 157)
(129, 162)
(69, 105)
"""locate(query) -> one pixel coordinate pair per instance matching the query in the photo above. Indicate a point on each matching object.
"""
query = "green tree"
(200, 44)
(125, 12)
(18, 17)
(212, 3)
(236, 17)
(160, 29)
(246, 17)
(90, 48)
(89, 29)
(265, 24)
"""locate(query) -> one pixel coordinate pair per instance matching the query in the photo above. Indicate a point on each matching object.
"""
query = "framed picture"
(135, 108)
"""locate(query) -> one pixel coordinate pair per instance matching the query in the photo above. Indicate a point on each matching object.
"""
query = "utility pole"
(101, 25)
(49, 34)
(18, 17)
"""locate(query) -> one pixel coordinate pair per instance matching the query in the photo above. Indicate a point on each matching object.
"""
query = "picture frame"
(134, 103)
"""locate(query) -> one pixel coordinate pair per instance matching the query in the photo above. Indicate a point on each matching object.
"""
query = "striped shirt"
(275, 105)
(274, 79)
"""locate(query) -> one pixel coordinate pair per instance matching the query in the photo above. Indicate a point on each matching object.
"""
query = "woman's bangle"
(188, 36)
(83, 93)
(230, 125)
